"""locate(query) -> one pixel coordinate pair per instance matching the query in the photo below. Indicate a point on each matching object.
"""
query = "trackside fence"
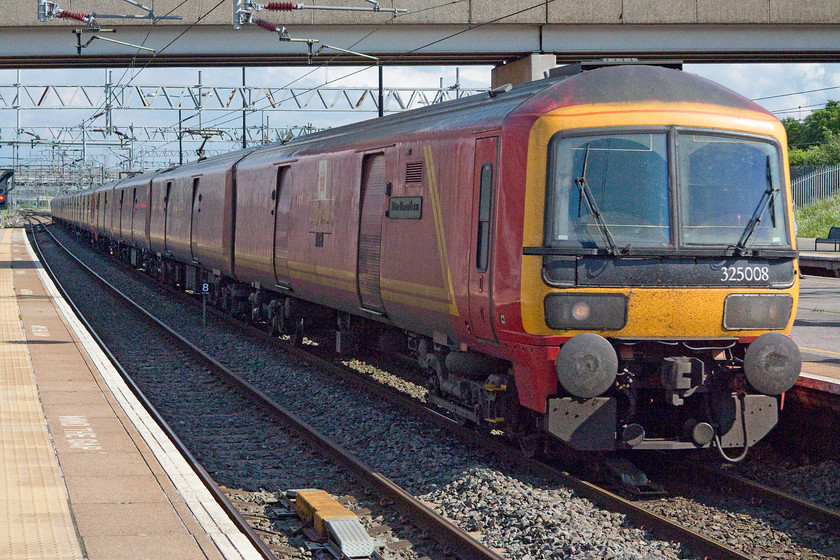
(819, 182)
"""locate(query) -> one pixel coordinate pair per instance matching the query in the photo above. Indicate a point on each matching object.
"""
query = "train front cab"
(661, 280)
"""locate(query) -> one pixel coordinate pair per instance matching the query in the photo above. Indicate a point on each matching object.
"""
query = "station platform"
(85, 473)
(815, 331)
(825, 260)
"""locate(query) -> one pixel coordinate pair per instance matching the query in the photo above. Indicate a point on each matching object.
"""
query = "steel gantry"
(224, 98)
(210, 115)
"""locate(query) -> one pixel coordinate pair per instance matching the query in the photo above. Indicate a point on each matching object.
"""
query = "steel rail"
(803, 509)
(659, 526)
(205, 478)
(441, 530)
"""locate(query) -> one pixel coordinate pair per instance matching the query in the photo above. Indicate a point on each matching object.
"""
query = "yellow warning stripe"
(415, 301)
(441, 239)
(325, 276)
(322, 271)
(415, 289)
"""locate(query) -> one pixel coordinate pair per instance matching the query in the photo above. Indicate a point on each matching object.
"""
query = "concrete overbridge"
(428, 32)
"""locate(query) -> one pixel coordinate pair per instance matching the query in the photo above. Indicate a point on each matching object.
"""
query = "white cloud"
(787, 81)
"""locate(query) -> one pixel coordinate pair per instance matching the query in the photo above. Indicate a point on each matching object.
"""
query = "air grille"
(414, 172)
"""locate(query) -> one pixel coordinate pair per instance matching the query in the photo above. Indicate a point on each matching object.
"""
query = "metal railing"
(820, 183)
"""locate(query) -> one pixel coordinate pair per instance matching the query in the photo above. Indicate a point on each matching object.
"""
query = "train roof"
(612, 84)
(627, 83)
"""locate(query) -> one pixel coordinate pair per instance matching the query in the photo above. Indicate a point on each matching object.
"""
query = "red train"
(605, 256)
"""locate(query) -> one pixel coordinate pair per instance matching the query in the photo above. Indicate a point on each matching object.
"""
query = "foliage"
(827, 153)
(816, 218)
(815, 127)
(795, 133)
(816, 139)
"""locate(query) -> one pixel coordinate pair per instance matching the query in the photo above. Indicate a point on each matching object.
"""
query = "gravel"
(818, 482)
(528, 518)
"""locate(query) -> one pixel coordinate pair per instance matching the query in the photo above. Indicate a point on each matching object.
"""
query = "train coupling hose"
(743, 454)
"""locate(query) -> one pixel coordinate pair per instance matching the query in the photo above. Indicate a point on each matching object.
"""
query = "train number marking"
(745, 273)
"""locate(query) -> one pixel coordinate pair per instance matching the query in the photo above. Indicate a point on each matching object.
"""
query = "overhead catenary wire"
(470, 27)
(795, 93)
(328, 62)
(157, 52)
(201, 17)
(218, 120)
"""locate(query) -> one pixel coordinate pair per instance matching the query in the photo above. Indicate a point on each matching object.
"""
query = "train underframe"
(668, 394)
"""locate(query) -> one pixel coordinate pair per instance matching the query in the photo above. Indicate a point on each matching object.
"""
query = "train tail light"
(757, 311)
(591, 312)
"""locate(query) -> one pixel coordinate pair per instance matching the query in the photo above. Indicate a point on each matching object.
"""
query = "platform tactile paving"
(35, 518)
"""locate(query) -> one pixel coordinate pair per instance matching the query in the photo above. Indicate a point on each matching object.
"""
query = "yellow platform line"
(35, 519)
(819, 351)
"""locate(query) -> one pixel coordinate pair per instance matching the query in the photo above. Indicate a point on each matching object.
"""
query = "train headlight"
(772, 363)
(756, 311)
(586, 365)
(591, 312)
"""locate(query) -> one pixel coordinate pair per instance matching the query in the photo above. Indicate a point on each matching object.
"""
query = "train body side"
(436, 223)
(375, 231)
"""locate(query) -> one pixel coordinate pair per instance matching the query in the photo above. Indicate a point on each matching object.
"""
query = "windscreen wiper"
(586, 193)
(767, 197)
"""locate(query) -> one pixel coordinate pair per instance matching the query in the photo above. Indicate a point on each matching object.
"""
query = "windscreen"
(609, 190)
(730, 191)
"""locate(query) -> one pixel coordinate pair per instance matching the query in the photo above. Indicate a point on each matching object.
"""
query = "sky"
(788, 90)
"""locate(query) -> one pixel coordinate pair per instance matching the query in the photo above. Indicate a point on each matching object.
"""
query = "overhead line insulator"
(283, 6)
(267, 25)
(64, 14)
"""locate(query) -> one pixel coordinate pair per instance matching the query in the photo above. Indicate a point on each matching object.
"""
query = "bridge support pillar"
(527, 69)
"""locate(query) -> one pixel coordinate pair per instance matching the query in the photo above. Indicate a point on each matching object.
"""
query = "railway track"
(792, 505)
(639, 516)
(197, 370)
(755, 492)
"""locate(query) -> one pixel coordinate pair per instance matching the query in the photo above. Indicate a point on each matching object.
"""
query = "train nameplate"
(405, 208)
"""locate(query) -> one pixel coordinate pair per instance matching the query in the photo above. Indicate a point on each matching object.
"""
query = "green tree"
(827, 153)
(795, 132)
(820, 123)
(816, 139)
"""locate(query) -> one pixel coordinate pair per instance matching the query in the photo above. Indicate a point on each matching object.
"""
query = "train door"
(133, 213)
(282, 196)
(100, 213)
(147, 214)
(370, 232)
(166, 216)
(121, 211)
(484, 179)
(196, 209)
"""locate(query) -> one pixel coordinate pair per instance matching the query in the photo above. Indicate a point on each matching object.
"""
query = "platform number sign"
(205, 290)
